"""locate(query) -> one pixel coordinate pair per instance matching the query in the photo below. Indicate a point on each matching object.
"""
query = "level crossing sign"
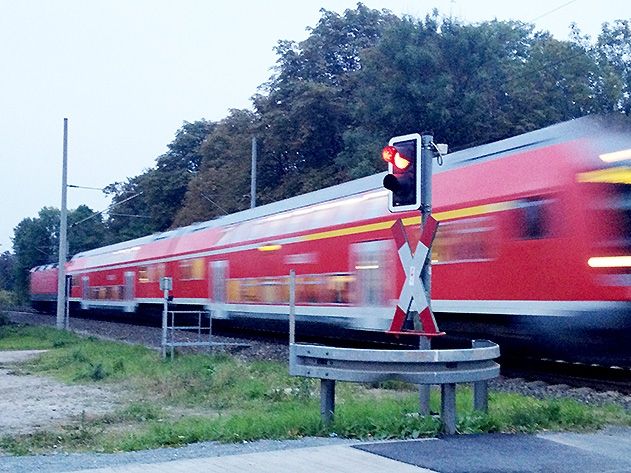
(413, 297)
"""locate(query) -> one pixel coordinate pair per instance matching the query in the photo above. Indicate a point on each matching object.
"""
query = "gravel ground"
(245, 348)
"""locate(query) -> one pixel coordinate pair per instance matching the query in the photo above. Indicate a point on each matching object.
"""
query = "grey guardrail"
(414, 366)
(423, 367)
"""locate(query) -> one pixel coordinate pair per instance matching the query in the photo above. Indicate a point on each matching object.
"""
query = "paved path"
(330, 459)
(608, 451)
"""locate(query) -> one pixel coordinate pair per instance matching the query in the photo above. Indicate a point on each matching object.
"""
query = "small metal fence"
(423, 367)
(200, 335)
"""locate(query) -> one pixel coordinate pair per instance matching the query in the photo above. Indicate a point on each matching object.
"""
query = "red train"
(534, 242)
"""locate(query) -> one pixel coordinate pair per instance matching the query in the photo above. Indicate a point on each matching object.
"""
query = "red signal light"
(388, 154)
(391, 155)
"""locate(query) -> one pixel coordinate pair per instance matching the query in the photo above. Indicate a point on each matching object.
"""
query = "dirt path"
(29, 403)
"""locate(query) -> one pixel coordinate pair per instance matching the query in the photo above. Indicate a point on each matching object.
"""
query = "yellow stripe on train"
(448, 215)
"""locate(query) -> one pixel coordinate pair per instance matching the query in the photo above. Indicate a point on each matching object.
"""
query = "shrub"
(7, 298)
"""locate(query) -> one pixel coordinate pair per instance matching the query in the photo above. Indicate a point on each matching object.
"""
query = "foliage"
(36, 240)
(7, 299)
(149, 202)
(7, 269)
(220, 183)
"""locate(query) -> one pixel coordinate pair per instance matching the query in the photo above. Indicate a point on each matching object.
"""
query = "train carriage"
(534, 236)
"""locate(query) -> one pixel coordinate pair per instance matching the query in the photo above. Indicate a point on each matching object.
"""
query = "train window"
(155, 272)
(338, 288)
(534, 223)
(143, 275)
(464, 240)
(273, 290)
(308, 288)
(192, 269)
(612, 207)
(370, 265)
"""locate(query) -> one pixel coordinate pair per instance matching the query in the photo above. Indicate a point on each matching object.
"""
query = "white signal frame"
(417, 203)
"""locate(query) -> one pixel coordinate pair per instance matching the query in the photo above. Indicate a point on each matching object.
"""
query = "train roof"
(592, 125)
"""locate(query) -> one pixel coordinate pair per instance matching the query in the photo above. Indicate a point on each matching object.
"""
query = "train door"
(85, 291)
(128, 288)
(371, 266)
(218, 271)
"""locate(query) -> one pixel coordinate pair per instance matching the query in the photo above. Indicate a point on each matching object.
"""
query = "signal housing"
(403, 155)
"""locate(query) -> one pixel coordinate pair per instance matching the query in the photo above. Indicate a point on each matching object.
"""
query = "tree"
(7, 270)
(306, 109)
(86, 230)
(222, 184)
(149, 202)
(613, 50)
(36, 240)
(128, 217)
(469, 84)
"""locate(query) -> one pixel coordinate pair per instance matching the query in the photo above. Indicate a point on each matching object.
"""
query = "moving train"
(533, 247)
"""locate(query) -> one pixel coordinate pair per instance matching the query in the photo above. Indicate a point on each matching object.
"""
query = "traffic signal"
(403, 155)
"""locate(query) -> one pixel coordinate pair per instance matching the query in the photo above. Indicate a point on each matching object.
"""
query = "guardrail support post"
(424, 389)
(481, 396)
(448, 407)
(480, 388)
(327, 400)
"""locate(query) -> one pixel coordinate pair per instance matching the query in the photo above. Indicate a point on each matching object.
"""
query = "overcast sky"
(128, 73)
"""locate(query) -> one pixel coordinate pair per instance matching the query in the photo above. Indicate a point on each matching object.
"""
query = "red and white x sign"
(413, 296)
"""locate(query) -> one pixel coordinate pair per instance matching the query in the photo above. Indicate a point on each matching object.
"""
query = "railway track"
(576, 375)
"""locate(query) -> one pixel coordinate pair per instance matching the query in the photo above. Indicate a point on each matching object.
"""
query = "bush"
(7, 298)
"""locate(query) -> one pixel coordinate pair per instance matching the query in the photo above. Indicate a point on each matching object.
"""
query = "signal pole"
(62, 319)
(425, 343)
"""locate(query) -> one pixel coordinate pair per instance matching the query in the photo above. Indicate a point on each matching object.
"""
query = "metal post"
(424, 389)
(253, 174)
(67, 308)
(172, 327)
(425, 343)
(327, 400)
(210, 330)
(292, 307)
(448, 408)
(165, 314)
(61, 276)
(427, 156)
(480, 388)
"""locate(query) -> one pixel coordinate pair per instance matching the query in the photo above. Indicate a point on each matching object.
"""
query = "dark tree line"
(335, 98)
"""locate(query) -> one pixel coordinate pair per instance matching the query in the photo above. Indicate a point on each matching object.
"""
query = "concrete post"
(63, 229)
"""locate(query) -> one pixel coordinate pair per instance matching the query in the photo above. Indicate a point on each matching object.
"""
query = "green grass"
(200, 397)
(25, 337)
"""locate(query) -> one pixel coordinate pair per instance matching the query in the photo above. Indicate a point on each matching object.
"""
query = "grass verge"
(218, 397)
